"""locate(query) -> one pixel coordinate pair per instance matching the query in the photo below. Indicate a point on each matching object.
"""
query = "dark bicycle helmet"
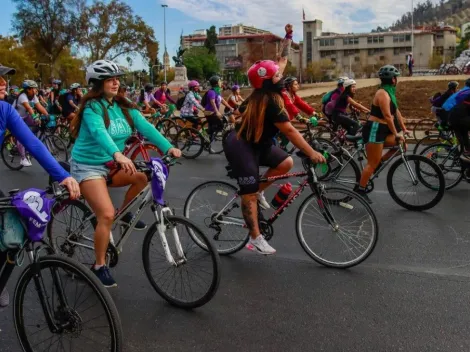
(214, 80)
(148, 87)
(288, 81)
(164, 83)
(388, 71)
(453, 85)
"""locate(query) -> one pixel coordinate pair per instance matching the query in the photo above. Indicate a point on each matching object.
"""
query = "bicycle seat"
(13, 191)
(353, 138)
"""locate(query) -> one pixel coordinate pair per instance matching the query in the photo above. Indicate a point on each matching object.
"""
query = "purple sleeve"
(211, 95)
(13, 122)
(169, 98)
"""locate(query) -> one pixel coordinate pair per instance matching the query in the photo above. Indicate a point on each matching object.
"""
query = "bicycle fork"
(160, 215)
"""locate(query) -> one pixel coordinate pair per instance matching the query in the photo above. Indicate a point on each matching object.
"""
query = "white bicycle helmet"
(74, 86)
(101, 70)
(349, 82)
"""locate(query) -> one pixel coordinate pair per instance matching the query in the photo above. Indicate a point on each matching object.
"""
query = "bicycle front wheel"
(338, 230)
(56, 147)
(190, 142)
(82, 311)
(416, 182)
(192, 277)
(10, 154)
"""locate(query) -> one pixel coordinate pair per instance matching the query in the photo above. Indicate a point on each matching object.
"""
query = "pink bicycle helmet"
(193, 84)
(261, 71)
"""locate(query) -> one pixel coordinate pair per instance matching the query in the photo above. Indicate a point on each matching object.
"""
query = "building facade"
(364, 51)
(240, 29)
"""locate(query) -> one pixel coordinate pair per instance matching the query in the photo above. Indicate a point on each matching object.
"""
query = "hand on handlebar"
(175, 152)
(317, 158)
(72, 186)
(125, 163)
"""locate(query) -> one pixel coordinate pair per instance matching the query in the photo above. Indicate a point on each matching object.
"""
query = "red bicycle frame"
(136, 145)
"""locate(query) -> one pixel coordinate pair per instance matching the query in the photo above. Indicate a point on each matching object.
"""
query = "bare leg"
(374, 155)
(137, 181)
(250, 213)
(97, 195)
(281, 169)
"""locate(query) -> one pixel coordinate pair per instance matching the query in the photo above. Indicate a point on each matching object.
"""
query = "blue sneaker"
(105, 276)
(140, 225)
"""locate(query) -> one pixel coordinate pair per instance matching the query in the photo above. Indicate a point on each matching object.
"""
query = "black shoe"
(364, 195)
(140, 225)
(105, 276)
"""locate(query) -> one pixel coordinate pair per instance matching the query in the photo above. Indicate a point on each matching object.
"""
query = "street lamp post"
(164, 35)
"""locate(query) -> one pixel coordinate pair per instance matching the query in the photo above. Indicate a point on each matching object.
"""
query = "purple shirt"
(162, 97)
(212, 95)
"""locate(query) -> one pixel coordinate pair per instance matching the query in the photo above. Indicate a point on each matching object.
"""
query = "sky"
(188, 15)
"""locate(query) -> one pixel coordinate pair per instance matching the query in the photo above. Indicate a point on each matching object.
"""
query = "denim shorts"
(84, 172)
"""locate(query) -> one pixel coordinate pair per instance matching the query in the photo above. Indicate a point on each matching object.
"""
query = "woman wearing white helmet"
(71, 101)
(345, 100)
(103, 123)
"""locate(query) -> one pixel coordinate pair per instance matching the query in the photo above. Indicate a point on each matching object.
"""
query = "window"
(327, 53)
(309, 47)
(438, 50)
(350, 41)
(375, 40)
(351, 52)
(327, 42)
(401, 38)
(399, 51)
(382, 58)
(357, 59)
(440, 36)
(372, 52)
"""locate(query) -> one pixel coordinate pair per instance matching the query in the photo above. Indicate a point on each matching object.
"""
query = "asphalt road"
(411, 294)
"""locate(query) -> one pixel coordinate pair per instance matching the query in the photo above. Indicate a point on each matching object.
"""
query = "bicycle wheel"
(79, 306)
(168, 128)
(429, 140)
(228, 230)
(168, 279)
(190, 142)
(346, 175)
(448, 159)
(336, 233)
(71, 231)
(424, 127)
(10, 154)
(428, 178)
(63, 132)
(179, 121)
(216, 145)
(56, 147)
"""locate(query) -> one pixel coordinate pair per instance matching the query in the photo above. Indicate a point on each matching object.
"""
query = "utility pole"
(164, 36)
(412, 28)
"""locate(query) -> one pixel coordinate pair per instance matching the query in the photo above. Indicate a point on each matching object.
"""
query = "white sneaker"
(260, 245)
(262, 201)
(25, 162)
(4, 298)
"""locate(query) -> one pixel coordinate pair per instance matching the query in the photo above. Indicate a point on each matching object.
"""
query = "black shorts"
(374, 132)
(245, 160)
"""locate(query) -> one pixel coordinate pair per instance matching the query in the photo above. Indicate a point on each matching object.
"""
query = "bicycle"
(137, 148)
(56, 146)
(166, 126)
(434, 186)
(221, 216)
(192, 142)
(69, 294)
(177, 253)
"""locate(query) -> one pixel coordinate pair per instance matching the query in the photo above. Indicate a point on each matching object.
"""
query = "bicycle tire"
(188, 137)
(338, 170)
(85, 277)
(429, 140)
(223, 190)
(417, 159)
(168, 128)
(7, 157)
(210, 251)
(56, 147)
(63, 132)
(431, 130)
(429, 152)
(345, 205)
(179, 121)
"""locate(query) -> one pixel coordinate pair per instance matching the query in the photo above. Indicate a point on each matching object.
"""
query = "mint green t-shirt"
(96, 144)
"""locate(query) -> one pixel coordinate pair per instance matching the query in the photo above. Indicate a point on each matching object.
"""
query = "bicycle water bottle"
(313, 121)
(282, 195)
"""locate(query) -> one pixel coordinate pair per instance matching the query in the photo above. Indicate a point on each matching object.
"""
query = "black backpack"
(204, 98)
(180, 101)
(62, 99)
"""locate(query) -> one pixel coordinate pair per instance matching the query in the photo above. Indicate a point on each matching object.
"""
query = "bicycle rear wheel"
(190, 142)
(79, 305)
(424, 127)
(63, 132)
(428, 179)
(56, 147)
(169, 128)
(227, 230)
(170, 279)
(10, 154)
(337, 233)
(448, 159)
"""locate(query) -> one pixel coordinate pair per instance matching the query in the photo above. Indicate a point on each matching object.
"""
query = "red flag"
(303, 13)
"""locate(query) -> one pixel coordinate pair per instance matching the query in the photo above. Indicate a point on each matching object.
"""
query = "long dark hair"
(142, 96)
(253, 117)
(96, 94)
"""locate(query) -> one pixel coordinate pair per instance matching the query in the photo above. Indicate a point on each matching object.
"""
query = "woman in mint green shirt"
(103, 124)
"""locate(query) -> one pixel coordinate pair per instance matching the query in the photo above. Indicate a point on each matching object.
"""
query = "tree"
(15, 55)
(170, 75)
(435, 61)
(464, 42)
(109, 30)
(211, 39)
(70, 69)
(200, 63)
(290, 69)
(52, 25)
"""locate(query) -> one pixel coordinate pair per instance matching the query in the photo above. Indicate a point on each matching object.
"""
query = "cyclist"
(55, 107)
(250, 145)
(345, 100)
(24, 104)
(71, 101)
(13, 95)
(440, 99)
(211, 102)
(235, 99)
(383, 126)
(459, 119)
(143, 100)
(103, 123)
(329, 100)
(164, 99)
(455, 99)
(293, 103)
(9, 119)
(191, 104)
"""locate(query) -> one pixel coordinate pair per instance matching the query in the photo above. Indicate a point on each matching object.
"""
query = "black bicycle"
(58, 304)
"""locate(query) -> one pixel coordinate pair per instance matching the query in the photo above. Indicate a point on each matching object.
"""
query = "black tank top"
(377, 112)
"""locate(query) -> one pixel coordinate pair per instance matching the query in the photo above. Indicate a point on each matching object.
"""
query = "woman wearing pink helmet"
(250, 146)
(191, 104)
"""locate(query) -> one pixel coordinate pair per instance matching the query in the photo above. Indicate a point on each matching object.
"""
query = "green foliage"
(435, 61)
(17, 56)
(211, 39)
(290, 69)
(464, 42)
(200, 63)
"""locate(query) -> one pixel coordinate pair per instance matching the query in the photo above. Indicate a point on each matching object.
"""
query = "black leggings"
(350, 125)
(461, 127)
(215, 125)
